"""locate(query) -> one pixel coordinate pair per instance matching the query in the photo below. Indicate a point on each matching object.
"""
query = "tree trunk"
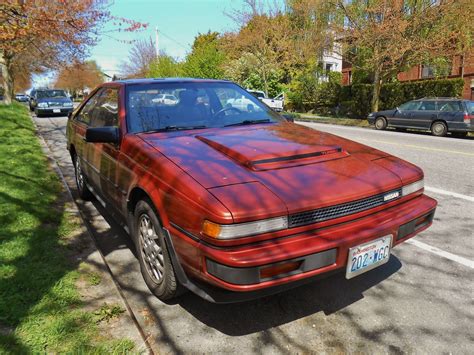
(5, 66)
(265, 82)
(376, 90)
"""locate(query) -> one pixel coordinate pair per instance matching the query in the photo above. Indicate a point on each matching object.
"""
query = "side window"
(105, 111)
(411, 106)
(428, 106)
(449, 106)
(85, 114)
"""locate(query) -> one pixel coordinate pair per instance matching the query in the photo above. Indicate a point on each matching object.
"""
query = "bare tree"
(140, 56)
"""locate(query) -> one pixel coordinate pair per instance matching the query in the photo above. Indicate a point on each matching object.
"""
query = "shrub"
(357, 97)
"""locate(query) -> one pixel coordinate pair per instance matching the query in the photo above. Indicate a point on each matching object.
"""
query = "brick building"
(423, 72)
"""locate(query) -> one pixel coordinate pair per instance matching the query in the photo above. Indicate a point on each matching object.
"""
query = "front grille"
(344, 209)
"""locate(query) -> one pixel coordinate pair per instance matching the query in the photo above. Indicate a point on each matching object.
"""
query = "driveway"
(421, 301)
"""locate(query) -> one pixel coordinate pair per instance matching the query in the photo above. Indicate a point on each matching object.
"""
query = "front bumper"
(232, 274)
(53, 110)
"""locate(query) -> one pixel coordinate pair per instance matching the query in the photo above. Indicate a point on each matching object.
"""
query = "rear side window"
(428, 106)
(449, 106)
(105, 111)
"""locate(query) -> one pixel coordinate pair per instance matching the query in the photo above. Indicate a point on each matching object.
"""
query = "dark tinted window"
(428, 106)
(449, 106)
(105, 111)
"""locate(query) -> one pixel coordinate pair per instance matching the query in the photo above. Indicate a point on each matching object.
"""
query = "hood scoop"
(262, 150)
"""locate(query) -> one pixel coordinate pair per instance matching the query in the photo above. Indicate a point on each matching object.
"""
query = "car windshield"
(50, 94)
(192, 105)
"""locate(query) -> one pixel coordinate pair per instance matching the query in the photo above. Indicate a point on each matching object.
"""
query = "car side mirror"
(289, 117)
(103, 135)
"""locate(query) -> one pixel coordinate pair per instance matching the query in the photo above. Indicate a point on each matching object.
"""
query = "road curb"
(145, 347)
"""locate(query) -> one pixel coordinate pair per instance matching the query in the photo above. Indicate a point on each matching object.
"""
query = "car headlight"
(371, 115)
(43, 104)
(414, 187)
(239, 230)
(68, 104)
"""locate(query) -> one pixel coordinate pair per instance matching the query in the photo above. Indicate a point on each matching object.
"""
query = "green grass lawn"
(40, 305)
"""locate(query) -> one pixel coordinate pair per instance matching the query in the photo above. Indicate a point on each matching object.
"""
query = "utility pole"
(157, 48)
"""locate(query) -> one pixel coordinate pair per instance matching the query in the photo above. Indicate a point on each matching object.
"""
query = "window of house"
(427, 71)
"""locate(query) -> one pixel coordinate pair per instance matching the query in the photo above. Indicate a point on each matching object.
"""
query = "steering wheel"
(227, 108)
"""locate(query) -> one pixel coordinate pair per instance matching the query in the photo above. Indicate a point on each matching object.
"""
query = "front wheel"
(439, 129)
(84, 192)
(155, 262)
(380, 123)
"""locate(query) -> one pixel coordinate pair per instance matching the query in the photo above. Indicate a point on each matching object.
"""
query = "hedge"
(355, 100)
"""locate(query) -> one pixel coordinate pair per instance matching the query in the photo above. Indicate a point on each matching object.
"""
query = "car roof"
(440, 99)
(166, 80)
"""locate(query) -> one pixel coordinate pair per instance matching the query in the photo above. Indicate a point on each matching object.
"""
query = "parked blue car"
(50, 102)
(438, 115)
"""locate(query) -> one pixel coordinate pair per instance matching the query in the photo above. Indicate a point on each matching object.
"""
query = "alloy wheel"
(151, 251)
(79, 175)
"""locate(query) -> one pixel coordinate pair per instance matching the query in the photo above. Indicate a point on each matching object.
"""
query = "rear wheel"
(380, 123)
(439, 129)
(84, 192)
(155, 262)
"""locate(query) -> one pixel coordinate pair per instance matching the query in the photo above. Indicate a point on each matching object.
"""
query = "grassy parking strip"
(40, 305)
(333, 120)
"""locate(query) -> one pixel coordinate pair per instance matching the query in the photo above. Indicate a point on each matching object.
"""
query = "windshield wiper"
(174, 128)
(247, 122)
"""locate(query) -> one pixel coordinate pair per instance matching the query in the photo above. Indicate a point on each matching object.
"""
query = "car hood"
(296, 165)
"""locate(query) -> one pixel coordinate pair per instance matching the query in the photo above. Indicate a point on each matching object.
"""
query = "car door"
(450, 111)
(81, 121)
(403, 115)
(104, 156)
(425, 115)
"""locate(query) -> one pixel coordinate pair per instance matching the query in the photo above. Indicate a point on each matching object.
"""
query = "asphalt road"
(421, 301)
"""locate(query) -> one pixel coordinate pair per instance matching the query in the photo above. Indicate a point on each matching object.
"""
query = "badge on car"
(391, 196)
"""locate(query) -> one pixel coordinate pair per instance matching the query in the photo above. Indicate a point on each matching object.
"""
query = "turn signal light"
(278, 269)
(211, 229)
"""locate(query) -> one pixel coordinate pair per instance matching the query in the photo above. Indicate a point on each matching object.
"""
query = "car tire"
(155, 262)
(439, 129)
(84, 193)
(380, 123)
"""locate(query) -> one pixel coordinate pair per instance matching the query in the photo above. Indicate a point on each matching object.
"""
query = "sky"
(178, 22)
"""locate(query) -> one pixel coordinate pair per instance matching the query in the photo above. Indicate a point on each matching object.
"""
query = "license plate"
(56, 110)
(368, 256)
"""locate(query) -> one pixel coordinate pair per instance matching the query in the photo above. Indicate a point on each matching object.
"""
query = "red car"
(236, 202)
